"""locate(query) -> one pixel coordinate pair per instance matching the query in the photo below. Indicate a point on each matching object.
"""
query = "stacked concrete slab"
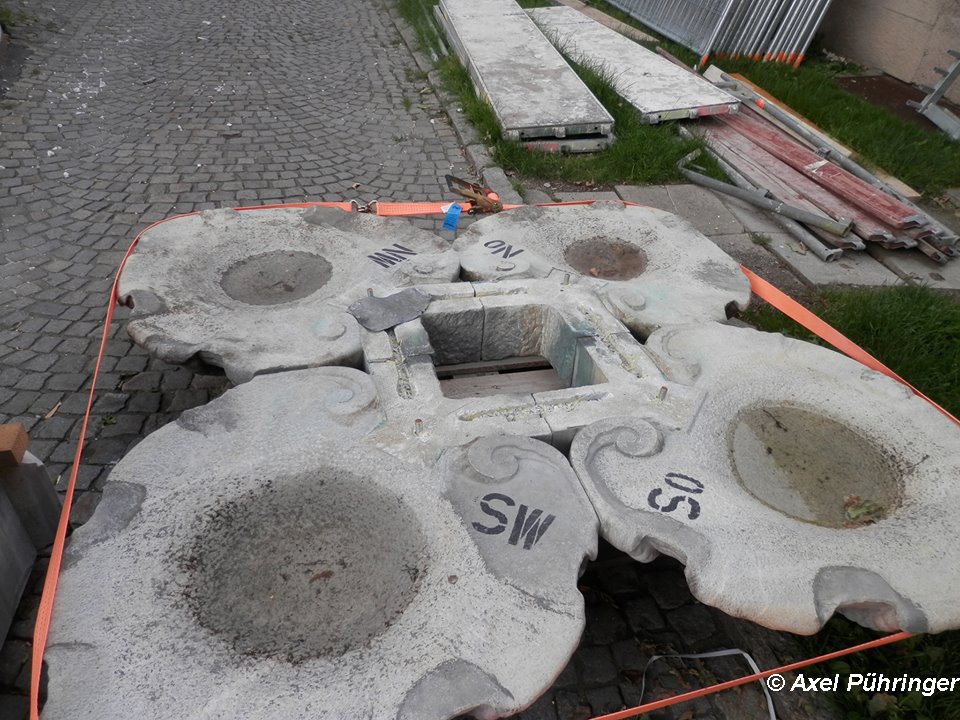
(355, 542)
(659, 89)
(538, 99)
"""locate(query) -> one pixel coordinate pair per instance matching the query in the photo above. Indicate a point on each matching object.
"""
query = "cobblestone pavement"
(117, 113)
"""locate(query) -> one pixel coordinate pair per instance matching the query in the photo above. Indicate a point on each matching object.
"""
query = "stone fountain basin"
(255, 559)
(804, 485)
(256, 291)
(649, 267)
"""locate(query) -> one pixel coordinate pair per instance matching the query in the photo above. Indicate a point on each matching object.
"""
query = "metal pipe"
(788, 224)
(733, 22)
(776, 20)
(803, 7)
(774, 46)
(835, 227)
(767, 12)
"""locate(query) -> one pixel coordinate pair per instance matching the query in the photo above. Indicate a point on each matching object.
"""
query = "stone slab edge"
(493, 176)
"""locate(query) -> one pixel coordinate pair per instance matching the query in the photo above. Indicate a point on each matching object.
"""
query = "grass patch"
(7, 18)
(916, 332)
(927, 161)
(419, 14)
(641, 153)
(924, 656)
(913, 330)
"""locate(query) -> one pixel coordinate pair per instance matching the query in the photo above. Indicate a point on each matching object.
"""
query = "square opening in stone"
(503, 348)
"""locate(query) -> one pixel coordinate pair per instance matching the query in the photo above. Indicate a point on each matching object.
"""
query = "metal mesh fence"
(768, 30)
(689, 22)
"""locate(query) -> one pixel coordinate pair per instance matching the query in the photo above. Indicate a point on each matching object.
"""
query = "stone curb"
(493, 177)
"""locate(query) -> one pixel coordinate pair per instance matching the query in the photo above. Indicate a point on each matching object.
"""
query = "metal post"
(716, 31)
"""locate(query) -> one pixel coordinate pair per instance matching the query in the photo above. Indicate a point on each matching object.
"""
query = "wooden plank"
(801, 190)
(713, 73)
(525, 382)
(874, 201)
(13, 444)
(530, 362)
(808, 124)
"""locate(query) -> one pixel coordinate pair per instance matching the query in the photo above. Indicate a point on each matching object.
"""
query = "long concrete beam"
(656, 87)
(536, 95)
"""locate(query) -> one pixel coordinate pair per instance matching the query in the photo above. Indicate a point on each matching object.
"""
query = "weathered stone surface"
(852, 268)
(804, 485)
(914, 266)
(456, 329)
(649, 267)
(264, 290)
(704, 210)
(382, 313)
(240, 572)
(604, 369)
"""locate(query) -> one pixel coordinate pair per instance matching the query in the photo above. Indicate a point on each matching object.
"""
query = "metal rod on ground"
(788, 224)
(828, 152)
(835, 227)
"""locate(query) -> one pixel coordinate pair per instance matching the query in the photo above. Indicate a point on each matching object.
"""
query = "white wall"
(905, 38)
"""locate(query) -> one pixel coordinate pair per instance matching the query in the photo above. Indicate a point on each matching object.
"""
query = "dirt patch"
(276, 277)
(813, 468)
(892, 94)
(304, 567)
(606, 259)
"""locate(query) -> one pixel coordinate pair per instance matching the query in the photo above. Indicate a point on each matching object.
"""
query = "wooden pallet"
(522, 375)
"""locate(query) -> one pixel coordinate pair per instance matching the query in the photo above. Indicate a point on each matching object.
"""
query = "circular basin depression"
(813, 468)
(276, 277)
(305, 567)
(606, 259)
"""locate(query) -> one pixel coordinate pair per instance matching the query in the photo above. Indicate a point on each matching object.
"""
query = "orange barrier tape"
(45, 611)
(760, 287)
(415, 208)
(798, 313)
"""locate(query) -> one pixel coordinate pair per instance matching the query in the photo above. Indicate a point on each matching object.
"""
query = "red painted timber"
(836, 179)
(791, 186)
